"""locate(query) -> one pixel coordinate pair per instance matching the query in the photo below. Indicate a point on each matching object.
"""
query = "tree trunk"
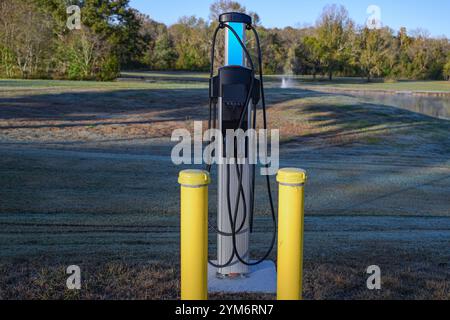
(330, 76)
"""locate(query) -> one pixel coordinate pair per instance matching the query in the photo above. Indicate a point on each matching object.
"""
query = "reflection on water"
(437, 107)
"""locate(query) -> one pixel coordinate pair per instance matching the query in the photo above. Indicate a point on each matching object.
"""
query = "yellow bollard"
(290, 233)
(194, 234)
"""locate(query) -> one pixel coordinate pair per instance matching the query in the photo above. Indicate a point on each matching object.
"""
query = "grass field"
(87, 179)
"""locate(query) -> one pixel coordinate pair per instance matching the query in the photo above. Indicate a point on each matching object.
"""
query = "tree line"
(35, 42)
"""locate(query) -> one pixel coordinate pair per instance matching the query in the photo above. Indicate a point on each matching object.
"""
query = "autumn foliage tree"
(36, 42)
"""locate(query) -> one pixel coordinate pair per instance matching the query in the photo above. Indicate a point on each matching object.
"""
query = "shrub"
(109, 69)
(447, 70)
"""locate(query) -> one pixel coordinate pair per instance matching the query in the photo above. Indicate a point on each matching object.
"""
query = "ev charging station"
(235, 94)
(228, 113)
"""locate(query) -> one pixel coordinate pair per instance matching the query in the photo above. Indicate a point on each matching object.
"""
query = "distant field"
(178, 80)
(9, 86)
(168, 74)
(343, 83)
(440, 86)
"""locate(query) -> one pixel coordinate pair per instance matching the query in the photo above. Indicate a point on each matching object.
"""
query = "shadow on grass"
(165, 104)
(361, 117)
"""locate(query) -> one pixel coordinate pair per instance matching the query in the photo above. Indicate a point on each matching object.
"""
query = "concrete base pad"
(261, 279)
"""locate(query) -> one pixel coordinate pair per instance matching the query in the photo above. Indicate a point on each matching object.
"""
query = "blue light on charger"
(235, 53)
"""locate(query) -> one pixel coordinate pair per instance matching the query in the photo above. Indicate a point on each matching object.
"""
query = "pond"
(433, 106)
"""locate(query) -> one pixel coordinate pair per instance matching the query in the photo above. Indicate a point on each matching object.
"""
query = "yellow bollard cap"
(194, 178)
(291, 176)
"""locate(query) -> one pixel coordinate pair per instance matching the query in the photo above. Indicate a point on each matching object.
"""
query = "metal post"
(194, 234)
(290, 233)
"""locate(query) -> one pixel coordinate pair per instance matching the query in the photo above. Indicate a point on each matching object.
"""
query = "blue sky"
(432, 15)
